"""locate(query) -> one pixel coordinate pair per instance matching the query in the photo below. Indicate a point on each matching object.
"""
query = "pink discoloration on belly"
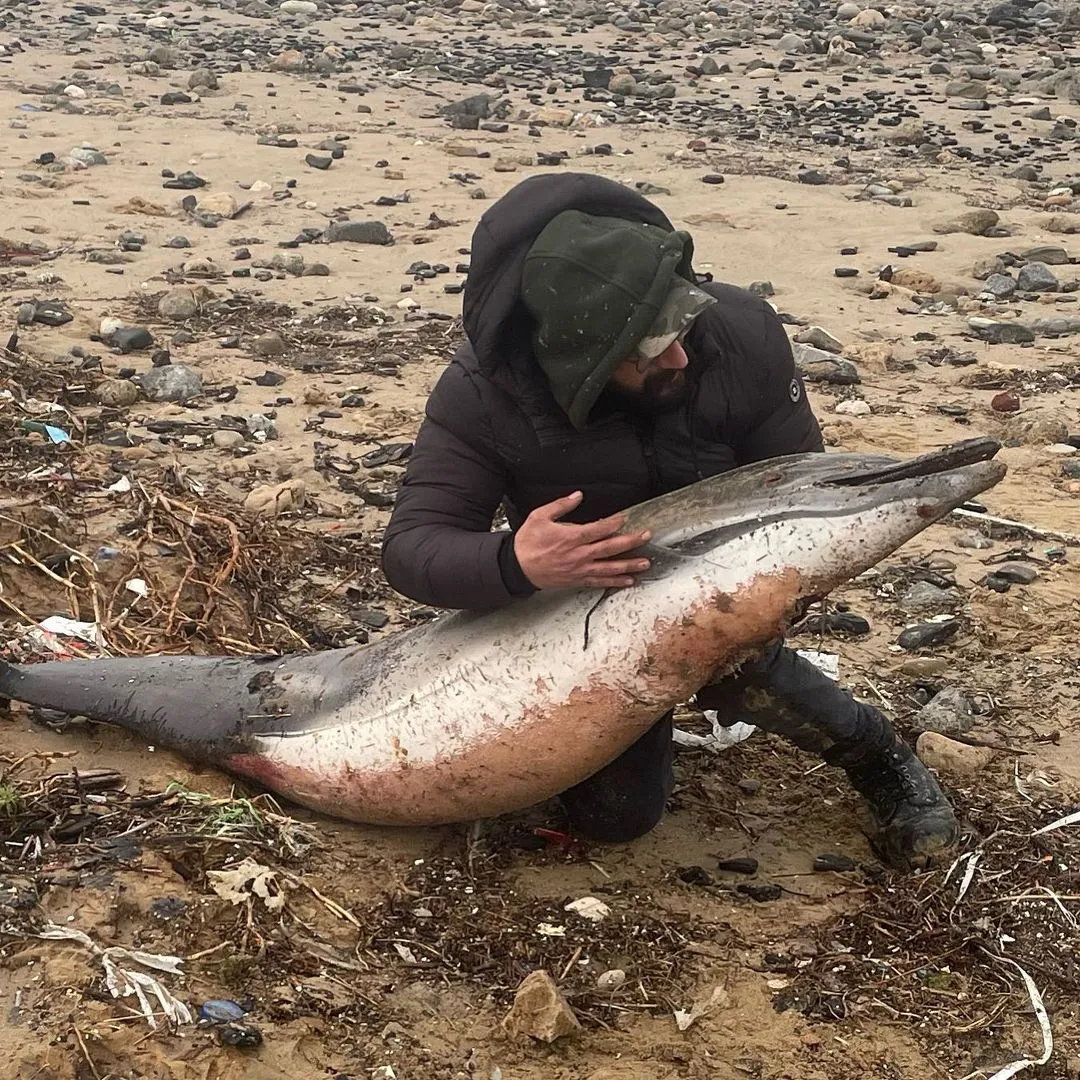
(553, 746)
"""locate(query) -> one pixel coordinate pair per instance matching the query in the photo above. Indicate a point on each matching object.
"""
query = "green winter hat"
(598, 287)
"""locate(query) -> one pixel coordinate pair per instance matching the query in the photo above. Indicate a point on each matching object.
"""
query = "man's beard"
(661, 392)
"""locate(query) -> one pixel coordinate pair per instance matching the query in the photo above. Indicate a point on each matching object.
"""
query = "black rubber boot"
(912, 821)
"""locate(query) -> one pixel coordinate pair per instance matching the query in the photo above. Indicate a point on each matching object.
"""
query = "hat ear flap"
(685, 269)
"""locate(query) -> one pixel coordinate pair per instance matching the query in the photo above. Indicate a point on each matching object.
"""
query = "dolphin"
(477, 714)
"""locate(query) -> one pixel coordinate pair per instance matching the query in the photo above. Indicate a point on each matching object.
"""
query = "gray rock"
(983, 268)
(1000, 285)
(1048, 254)
(358, 232)
(972, 89)
(792, 43)
(1018, 573)
(203, 79)
(131, 339)
(271, 344)
(622, 85)
(974, 541)
(89, 155)
(761, 288)
(948, 713)
(226, 439)
(173, 382)
(1037, 277)
(178, 242)
(1055, 325)
(1001, 333)
(817, 365)
(924, 596)
(819, 338)
(24, 314)
(178, 303)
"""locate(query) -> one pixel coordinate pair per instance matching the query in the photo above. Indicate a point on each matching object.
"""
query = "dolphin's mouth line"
(969, 452)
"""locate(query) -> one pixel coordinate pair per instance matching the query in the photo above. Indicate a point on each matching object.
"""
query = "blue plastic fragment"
(57, 435)
(221, 1011)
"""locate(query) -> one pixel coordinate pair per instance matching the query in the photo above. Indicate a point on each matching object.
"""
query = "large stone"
(219, 203)
(540, 1011)
(952, 758)
(178, 304)
(358, 232)
(983, 268)
(817, 365)
(1001, 333)
(623, 85)
(975, 222)
(1000, 286)
(918, 281)
(948, 713)
(1055, 325)
(925, 596)
(117, 393)
(270, 500)
(819, 338)
(173, 382)
(1035, 430)
(972, 89)
(1037, 277)
(1049, 254)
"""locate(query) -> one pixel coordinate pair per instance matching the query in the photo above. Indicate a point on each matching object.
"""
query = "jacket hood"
(498, 324)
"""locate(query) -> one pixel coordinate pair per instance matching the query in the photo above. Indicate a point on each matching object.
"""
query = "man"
(599, 372)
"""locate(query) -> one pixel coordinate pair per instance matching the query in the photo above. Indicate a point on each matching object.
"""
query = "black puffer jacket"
(493, 434)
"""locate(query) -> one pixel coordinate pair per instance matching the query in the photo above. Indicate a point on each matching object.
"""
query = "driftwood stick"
(1031, 530)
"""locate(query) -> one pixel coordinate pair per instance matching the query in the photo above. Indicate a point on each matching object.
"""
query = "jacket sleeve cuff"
(517, 584)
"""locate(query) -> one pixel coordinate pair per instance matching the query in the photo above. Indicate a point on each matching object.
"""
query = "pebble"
(1005, 402)
(951, 758)
(923, 635)
(540, 1011)
(853, 407)
(948, 713)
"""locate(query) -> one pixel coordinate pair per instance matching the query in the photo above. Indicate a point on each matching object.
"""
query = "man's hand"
(554, 555)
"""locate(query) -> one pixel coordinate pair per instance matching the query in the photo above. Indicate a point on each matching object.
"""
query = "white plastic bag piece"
(724, 737)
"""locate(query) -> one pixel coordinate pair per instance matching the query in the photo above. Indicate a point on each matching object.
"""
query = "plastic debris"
(1044, 1027)
(588, 907)
(127, 981)
(65, 627)
(221, 1011)
(725, 736)
(717, 998)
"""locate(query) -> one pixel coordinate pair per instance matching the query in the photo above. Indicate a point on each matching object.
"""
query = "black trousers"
(780, 692)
